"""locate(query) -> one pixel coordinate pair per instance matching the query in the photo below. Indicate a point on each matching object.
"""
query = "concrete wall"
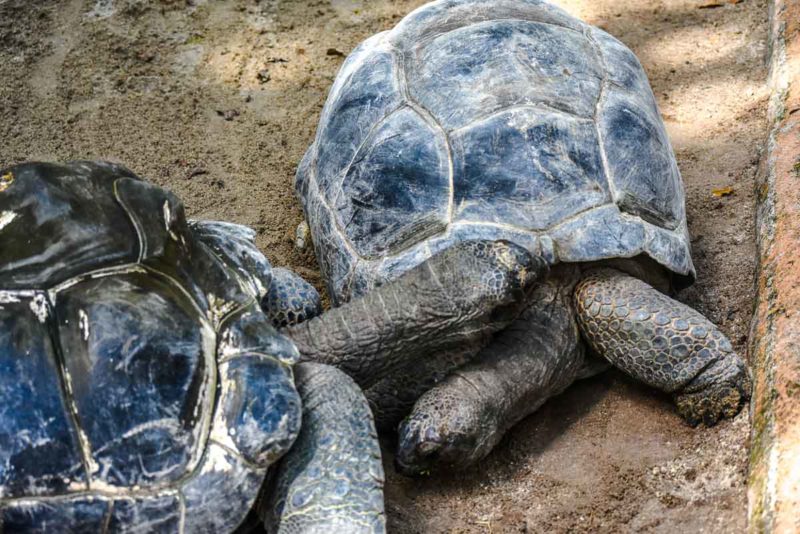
(774, 481)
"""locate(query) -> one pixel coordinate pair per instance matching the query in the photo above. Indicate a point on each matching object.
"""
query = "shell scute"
(77, 224)
(498, 64)
(640, 162)
(598, 233)
(528, 167)
(39, 452)
(136, 356)
(366, 92)
(397, 190)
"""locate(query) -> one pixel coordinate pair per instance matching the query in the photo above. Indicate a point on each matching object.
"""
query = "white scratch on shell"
(39, 307)
(220, 427)
(168, 220)
(83, 323)
(216, 460)
(6, 217)
(8, 297)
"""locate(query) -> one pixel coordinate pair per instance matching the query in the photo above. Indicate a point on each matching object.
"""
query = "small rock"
(334, 52)
(301, 236)
(228, 114)
(146, 56)
(264, 76)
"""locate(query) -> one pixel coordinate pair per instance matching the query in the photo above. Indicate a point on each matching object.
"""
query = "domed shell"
(486, 119)
(112, 312)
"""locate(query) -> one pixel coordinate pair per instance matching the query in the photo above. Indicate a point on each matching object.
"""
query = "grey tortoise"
(142, 386)
(490, 193)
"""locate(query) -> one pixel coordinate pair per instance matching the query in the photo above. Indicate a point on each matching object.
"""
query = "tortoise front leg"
(332, 478)
(663, 343)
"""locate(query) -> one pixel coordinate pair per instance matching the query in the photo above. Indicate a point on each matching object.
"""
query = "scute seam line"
(253, 353)
(236, 454)
(66, 391)
(369, 136)
(99, 494)
(538, 106)
(129, 268)
(181, 511)
(598, 105)
(109, 513)
(140, 235)
(237, 309)
(426, 115)
(340, 231)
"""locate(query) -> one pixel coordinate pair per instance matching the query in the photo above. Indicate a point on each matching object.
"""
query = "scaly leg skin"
(290, 300)
(663, 343)
(458, 297)
(332, 478)
(459, 422)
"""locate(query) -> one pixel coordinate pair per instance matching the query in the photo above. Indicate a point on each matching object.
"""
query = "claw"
(715, 402)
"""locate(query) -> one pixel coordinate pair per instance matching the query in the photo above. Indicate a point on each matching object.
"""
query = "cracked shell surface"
(511, 118)
(123, 328)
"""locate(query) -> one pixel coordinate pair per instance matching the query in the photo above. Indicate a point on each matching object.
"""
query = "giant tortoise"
(142, 386)
(492, 190)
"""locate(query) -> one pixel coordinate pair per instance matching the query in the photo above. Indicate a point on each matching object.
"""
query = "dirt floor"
(217, 100)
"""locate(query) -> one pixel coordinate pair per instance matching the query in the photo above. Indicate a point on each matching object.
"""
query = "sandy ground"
(217, 100)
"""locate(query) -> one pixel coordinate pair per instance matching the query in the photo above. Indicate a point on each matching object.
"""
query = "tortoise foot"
(719, 392)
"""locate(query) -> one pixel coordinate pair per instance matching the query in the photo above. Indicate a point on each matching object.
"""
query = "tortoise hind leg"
(663, 343)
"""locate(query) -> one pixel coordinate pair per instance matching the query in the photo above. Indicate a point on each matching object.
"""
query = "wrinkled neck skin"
(457, 298)
(400, 339)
